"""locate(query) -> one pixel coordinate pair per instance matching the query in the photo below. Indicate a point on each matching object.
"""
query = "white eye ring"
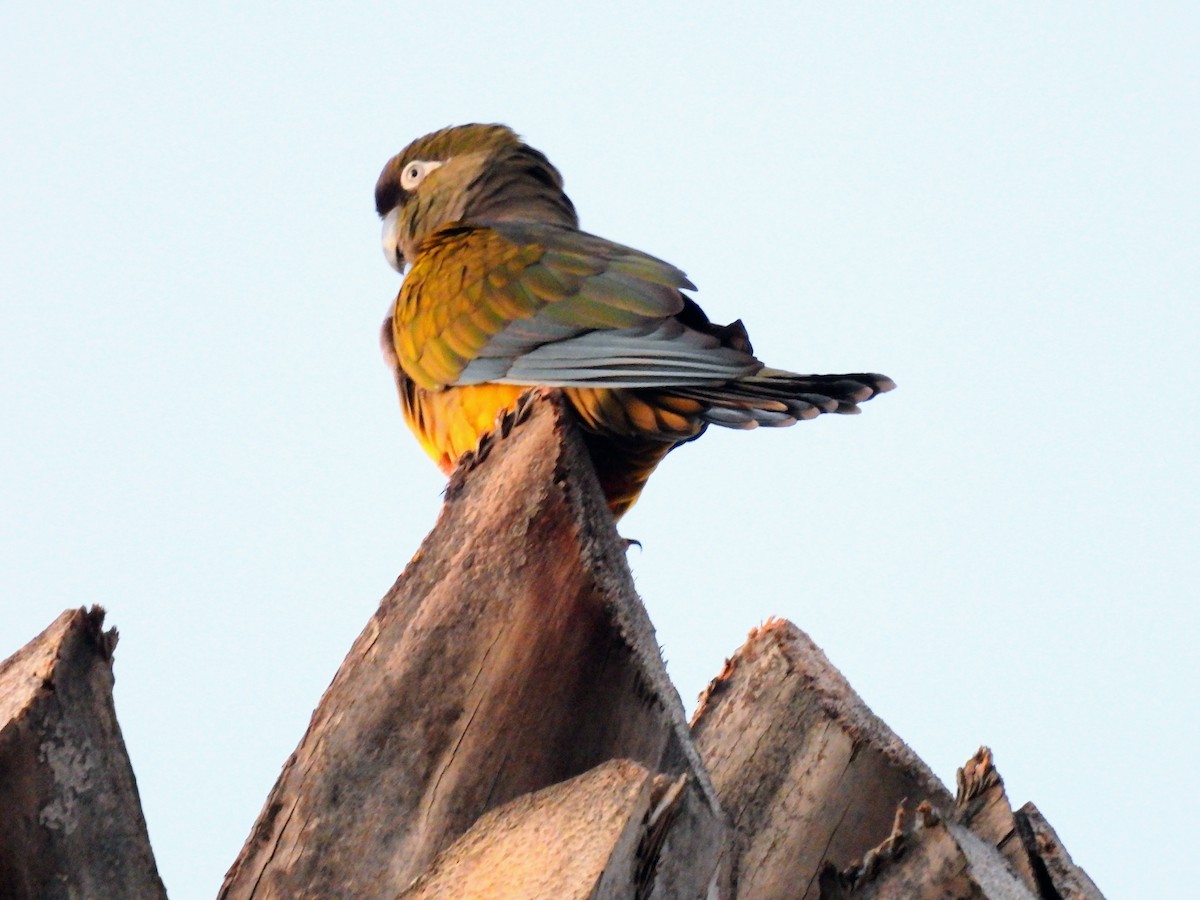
(414, 173)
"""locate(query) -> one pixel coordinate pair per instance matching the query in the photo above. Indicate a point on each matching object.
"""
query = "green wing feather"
(479, 298)
(526, 304)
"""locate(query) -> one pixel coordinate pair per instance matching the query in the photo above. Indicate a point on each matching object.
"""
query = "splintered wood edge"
(1045, 861)
(981, 862)
(30, 671)
(804, 659)
(835, 882)
(977, 776)
(1054, 872)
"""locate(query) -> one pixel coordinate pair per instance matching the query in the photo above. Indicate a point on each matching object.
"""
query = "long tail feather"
(775, 398)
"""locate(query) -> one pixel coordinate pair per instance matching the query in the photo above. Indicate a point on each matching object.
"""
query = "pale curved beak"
(391, 240)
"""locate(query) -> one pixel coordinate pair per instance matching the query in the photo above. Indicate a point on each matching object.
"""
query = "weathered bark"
(511, 655)
(71, 823)
(982, 850)
(804, 770)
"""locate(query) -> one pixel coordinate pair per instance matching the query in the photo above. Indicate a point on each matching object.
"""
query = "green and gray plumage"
(504, 292)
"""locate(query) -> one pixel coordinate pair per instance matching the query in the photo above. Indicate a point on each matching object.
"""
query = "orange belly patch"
(450, 422)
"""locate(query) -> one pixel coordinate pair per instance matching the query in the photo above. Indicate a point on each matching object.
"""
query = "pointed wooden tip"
(806, 771)
(70, 819)
(511, 655)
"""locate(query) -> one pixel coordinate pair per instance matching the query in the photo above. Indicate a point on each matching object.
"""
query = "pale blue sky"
(998, 207)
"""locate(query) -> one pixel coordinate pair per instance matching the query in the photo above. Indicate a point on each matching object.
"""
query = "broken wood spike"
(512, 655)
(976, 776)
(803, 769)
(1058, 875)
(71, 823)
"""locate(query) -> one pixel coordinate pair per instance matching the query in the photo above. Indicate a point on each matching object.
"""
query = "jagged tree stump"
(504, 728)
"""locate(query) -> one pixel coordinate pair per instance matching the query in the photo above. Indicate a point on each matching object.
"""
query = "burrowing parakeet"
(504, 292)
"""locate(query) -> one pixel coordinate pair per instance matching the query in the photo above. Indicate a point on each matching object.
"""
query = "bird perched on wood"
(504, 292)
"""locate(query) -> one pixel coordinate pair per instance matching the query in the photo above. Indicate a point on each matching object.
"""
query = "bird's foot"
(626, 543)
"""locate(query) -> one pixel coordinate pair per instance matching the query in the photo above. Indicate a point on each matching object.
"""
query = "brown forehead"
(439, 145)
(460, 139)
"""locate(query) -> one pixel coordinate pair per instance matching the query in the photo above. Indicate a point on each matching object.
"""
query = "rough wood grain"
(577, 839)
(804, 770)
(512, 654)
(71, 823)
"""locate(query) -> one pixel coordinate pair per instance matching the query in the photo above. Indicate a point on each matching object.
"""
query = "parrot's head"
(467, 173)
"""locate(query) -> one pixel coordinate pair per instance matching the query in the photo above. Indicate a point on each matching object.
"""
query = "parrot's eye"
(414, 173)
